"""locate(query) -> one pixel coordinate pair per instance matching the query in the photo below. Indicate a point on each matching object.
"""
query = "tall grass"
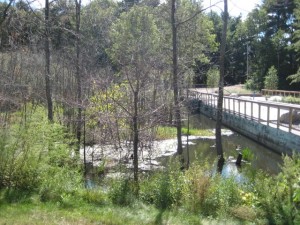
(291, 99)
(166, 132)
(36, 156)
(36, 169)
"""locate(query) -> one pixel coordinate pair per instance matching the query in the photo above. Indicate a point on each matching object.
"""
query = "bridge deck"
(258, 109)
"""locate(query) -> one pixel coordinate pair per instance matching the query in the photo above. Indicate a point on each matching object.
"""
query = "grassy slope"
(88, 214)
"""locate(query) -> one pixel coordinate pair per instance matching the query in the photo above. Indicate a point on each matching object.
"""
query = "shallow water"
(264, 158)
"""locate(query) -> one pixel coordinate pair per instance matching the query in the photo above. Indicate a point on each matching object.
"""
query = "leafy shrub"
(271, 79)
(291, 99)
(213, 77)
(196, 187)
(163, 189)
(122, 192)
(36, 156)
(93, 196)
(277, 195)
(222, 195)
(247, 154)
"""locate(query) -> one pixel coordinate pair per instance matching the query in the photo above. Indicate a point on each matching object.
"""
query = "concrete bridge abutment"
(276, 139)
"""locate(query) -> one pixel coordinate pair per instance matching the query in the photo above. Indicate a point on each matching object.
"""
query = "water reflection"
(264, 158)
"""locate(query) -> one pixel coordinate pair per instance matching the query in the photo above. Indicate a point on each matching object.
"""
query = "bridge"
(271, 123)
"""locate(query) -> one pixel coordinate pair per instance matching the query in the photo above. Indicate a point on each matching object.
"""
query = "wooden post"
(245, 113)
(251, 110)
(278, 116)
(268, 115)
(239, 107)
(290, 119)
(233, 100)
(239, 159)
(259, 112)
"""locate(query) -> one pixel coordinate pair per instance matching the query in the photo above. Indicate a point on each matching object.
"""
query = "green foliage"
(163, 189)
(247, 154)
(135, 38)
(196, 188)
(36, 156)
(254, 82)
(291, 99)
(213, 77)
(222, 195)
(93, 196)
(271, 80)
(122, 192)
(277, 196)
(295, 78)
(165, 132)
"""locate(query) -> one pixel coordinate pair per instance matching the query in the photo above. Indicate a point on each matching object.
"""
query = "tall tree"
(295, 78)
(78, 72)
(4, 11)
(47, 62)
(135, 40)
(175, 76)
(221, 86)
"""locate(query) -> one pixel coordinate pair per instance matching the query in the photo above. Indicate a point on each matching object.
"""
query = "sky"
(235, 7)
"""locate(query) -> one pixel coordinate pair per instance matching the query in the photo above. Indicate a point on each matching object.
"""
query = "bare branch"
(196, 14)
(4, 14)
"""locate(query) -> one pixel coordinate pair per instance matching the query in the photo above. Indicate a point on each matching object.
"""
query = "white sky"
(235, 7)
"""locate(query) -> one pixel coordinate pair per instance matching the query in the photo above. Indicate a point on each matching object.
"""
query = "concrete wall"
(276, 139)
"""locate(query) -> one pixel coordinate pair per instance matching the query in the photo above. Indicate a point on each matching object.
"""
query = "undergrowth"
(38, 169)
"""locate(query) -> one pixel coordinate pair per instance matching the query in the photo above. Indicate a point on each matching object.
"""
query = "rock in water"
(285, 118)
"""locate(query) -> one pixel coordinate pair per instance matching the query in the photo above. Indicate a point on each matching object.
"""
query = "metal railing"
(277, 115)
(280, 92)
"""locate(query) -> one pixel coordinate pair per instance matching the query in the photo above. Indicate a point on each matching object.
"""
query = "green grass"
(88, 214)
(247, 154)
(237, 89)
(171, 132)
(292, 100)
(50, 213)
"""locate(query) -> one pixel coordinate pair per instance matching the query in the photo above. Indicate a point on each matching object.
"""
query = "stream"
(264, 158)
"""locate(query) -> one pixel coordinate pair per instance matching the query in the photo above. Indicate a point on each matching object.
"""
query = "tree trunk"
(47, 63)
(175, 77)
(135, 137)
(78, 74)
(221, 86)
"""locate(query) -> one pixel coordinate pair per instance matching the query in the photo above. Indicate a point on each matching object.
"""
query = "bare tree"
(47, 62)
(78, 72)
(4, 13)
(221, 87)
(175, 77)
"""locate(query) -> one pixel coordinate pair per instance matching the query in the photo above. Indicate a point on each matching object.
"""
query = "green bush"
(247, 154)
(291, 99)
(196, 187)
(93, 196)
(122, 192)
(163, 189)
(36, 156)
(277, 196)
(222, 195)
(271, 79)
(213, 77)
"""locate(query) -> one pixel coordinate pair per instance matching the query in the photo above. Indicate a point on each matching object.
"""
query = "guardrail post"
(239, 107)
(268, 115)
(278, 116)
(245, 113)
(259, 114)
(290, 119)
(251, 110)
